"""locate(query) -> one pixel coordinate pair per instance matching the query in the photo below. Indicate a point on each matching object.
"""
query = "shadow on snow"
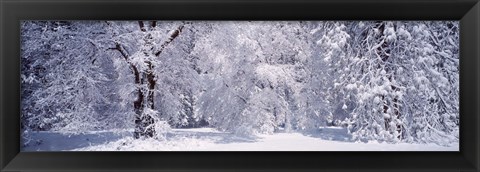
(52, 141)
(218, 137)
(330, 133)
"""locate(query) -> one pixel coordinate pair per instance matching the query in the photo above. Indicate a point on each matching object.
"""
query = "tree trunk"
(144, 122)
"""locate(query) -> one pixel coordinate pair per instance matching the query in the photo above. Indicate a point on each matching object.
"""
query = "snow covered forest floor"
(209, 139)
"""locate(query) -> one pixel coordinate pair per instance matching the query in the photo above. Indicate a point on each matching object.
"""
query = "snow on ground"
(208, 139)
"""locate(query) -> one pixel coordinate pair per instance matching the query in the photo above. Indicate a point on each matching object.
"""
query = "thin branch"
(125, 55)
(173, 35)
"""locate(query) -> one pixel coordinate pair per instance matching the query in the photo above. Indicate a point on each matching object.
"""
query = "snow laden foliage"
(400, 77)
(254, 76)
(386, 81)
(64, 79)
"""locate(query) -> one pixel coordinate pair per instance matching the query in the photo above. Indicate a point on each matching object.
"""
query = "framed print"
(239, 85)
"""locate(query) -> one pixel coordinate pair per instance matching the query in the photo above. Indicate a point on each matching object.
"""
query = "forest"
(391, 82)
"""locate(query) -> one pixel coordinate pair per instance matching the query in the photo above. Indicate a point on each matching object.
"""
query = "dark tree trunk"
(151, 85)
(153, 25)
(142, 26)
(144, 122)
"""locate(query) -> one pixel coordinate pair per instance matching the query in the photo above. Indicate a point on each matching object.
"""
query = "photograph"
(174, 85)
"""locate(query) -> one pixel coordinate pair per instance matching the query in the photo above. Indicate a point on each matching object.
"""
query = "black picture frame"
(13, 11)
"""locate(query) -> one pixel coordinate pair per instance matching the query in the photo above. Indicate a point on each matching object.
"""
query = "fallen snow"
(208, 139)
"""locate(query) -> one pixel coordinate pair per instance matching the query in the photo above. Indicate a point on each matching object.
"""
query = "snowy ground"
(208, 139)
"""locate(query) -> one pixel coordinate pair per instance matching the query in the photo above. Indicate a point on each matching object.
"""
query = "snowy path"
(207, 139)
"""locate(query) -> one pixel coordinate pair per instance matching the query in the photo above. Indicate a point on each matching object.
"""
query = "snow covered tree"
(142, 64)
(223, 95)
(68, 84)
(61, 62)
(386, 55)
(283, 70)
(433, 81)
(258, 72)
(329, 67)
(179, 78)
(381, 119)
